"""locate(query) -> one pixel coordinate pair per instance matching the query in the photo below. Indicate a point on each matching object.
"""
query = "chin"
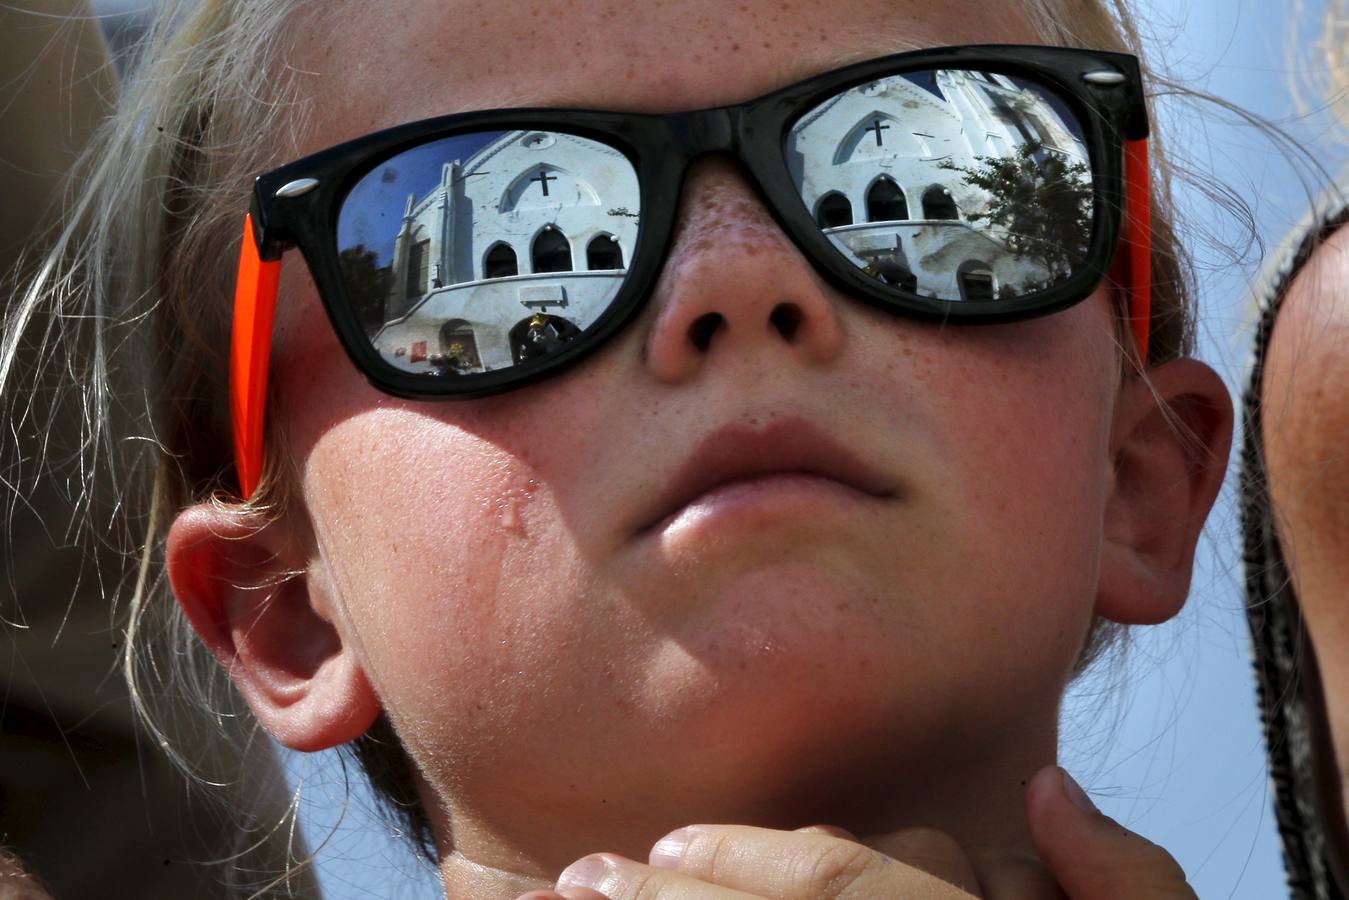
(768, 729)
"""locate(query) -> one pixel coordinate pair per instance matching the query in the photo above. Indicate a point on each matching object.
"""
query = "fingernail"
(1075, 793)
(669, 850)
(589, 872)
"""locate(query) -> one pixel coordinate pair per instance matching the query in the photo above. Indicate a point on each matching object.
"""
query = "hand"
(737, 862)
(1093, 856)
(15, 882)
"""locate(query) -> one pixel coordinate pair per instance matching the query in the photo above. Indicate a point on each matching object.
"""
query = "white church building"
(522, 245)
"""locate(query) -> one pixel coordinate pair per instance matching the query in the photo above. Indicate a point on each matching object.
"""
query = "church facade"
(523, 244)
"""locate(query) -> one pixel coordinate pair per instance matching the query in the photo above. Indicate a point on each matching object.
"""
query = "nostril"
(786, 318)
(702, 329)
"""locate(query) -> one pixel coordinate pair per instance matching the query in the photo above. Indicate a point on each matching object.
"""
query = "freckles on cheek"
(1029, 434)
(419, 524)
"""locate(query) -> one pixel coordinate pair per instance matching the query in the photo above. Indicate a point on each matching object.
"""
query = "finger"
(1093, 856)
(932, 851)
(793, 864)
(16, 883)
(830, 830)
(1012, 876)
(572, 894)
(616, 878)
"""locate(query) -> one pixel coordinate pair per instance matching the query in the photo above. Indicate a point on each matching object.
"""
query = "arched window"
(551, 252)
(500, 262)
(976, 281)
(603, 253)
(458, 347)
(833, 211)
(939, 204)
(539, 335)
(886, 202)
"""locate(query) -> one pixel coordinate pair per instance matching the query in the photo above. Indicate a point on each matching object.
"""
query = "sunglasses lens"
(487, 250)
(952, 184)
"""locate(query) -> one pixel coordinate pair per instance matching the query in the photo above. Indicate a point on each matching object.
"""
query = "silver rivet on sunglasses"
(297, 188)
(1104, 77)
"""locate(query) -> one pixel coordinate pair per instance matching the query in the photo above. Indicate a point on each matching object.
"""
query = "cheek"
(440, 528)
(448, 563)
(415, 523)
(1021, 416)
(450, 535)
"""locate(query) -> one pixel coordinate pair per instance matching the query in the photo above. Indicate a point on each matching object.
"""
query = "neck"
(976, 798)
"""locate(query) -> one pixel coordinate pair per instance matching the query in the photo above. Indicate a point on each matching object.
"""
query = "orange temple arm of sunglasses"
(250, 349)
(1133, 265)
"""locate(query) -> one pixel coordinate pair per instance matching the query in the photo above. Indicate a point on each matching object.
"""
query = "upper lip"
(786, 446)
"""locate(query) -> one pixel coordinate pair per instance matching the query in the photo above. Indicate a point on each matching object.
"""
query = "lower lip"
(762, 501)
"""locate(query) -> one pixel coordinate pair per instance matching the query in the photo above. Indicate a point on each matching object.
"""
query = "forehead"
(432, 58)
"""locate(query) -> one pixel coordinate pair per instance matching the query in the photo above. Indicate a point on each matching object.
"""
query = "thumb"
(1093, 856)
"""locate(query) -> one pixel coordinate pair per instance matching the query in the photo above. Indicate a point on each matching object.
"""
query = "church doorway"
(458, 348)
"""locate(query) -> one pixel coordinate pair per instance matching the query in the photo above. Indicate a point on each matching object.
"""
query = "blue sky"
(373, 212)
(1169, 745)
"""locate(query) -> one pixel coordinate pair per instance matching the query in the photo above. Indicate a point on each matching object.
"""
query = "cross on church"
(543, 179)
(877, 127)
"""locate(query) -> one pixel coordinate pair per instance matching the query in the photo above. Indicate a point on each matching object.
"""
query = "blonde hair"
(131, 308)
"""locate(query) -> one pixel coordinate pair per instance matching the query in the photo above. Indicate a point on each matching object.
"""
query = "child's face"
(550, 635)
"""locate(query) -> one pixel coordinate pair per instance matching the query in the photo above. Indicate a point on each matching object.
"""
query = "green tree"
(1041, 205)
(367, 284)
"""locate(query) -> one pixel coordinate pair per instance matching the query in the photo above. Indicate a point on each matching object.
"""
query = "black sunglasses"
(470, 254)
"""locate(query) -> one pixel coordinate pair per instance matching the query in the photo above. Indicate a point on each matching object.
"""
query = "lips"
(738, 453)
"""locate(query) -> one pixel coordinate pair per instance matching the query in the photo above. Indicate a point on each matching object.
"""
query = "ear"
(266, 613)
(1170, 440)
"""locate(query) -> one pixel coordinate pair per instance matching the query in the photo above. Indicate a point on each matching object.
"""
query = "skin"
(566, 684)
(1306, 418)
(16, 883)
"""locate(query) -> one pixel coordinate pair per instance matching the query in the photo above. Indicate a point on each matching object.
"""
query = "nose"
(734, 284)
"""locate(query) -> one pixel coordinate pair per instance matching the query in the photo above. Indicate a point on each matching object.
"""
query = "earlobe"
(255, 601)
(1170, 441)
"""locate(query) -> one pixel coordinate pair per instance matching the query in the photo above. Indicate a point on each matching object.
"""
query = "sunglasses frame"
(299, 204)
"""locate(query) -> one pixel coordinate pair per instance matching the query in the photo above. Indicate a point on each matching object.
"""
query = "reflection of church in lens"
(517, 250)
(886, 169)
